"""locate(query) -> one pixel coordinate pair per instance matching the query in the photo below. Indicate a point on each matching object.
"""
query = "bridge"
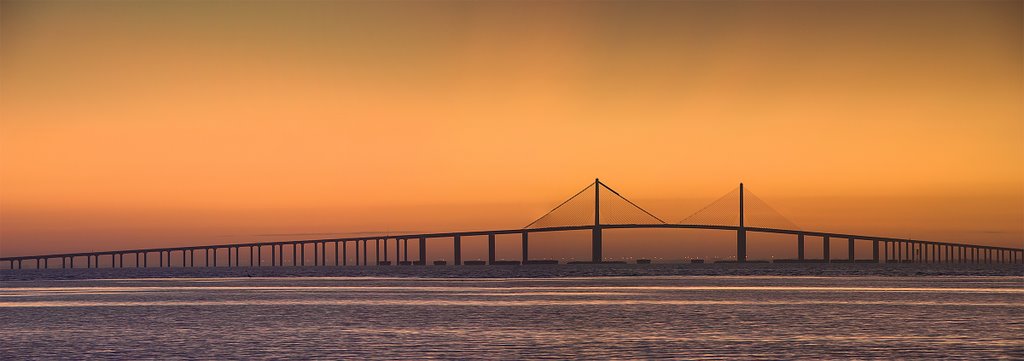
(738, 211)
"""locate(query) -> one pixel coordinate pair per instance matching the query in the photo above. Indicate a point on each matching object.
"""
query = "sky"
(151, 124)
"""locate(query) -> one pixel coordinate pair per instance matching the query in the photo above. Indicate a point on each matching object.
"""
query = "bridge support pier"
(490, 248)
(385, 250)
(458, 250)
(852, 254)
(874, 251)
(405, 250)
(365, 247)
(825, 249)
(800, 246)
(526, 247)
(423, 251)
(376, 252)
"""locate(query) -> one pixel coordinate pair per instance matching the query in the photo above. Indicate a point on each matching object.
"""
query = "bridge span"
(883, 249)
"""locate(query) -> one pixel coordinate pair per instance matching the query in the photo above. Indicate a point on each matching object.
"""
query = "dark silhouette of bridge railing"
(572, 218)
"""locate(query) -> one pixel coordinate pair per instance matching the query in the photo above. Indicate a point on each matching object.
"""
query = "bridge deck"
(513, 231)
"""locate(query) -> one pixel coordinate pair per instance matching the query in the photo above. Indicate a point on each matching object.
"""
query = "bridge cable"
(714, 217)
(632, 204)
(560, 205)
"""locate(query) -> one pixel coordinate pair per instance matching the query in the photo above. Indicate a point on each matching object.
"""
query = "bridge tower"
(741, 234)
(596, 256)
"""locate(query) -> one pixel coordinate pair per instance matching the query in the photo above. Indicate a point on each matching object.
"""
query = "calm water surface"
(678, 315)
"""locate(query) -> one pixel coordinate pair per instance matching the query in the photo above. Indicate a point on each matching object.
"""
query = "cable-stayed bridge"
(595, 208)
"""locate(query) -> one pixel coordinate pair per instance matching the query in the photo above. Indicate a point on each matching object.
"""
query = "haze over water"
(585, 311)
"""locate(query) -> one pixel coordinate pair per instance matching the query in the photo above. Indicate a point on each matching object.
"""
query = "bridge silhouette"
(738, 211)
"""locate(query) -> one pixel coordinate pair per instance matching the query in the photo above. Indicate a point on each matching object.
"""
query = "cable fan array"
(578, 210)
(725, 211)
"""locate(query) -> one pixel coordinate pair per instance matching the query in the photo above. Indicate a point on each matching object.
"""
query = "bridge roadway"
(884, 249)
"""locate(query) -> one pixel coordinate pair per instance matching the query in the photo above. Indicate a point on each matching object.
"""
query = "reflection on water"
(586, 317)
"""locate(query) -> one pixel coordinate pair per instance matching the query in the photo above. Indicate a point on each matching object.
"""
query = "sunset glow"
(145, 124)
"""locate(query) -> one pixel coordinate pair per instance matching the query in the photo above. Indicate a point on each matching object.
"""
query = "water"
(560, 312)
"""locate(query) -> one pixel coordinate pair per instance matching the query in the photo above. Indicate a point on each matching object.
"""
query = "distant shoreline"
(534, 271)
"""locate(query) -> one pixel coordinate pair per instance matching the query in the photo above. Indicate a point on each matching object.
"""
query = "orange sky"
(127, 124)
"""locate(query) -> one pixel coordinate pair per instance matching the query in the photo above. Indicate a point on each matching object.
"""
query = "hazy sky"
(139, 124)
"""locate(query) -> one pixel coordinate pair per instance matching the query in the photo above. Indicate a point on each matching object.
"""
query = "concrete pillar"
(344, 253)
(458, 250)
(376, 251)
(161, 254)
(336, 257)
(874, 251)
(526, 246)
(405, 249)
(386, 250)
(596, 246)
(323, 253)
(853, 255)
(316, 253)
(490, 248)
(398, 251)
(741, 233)
(423, 250)
(825, 249)
(800, 246)
(365, 259)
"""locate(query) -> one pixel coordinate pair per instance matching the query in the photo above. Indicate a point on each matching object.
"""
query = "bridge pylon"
(741, 234)
(596, 238)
